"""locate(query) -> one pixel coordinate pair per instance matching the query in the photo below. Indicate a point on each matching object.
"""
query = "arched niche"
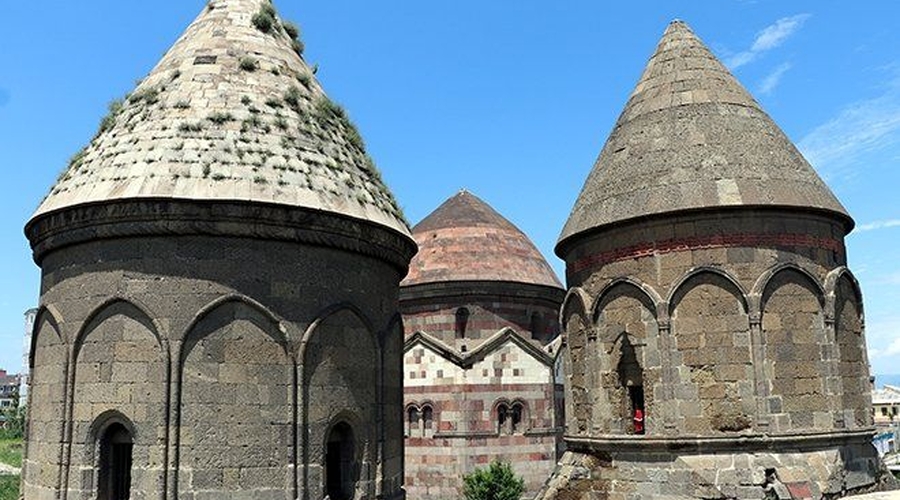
(109, 445)
(236, 434)
(49, 360)
(711, 332)
(627, 365)
(121, 366)
(573, 317)
(793, 333)
(341, 367)
(392, 403)
(852, 364)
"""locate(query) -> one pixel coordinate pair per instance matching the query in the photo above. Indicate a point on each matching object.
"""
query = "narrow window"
(428, 421)
(537, 326)
(516, 418)
(412, 420)
(340, 470)
(115, 463)
(502, 418)
(884, 410)
(462, 321)
(636, 395)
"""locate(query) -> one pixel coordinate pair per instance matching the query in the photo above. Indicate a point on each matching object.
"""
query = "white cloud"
(863, 126)
(774, 78)
(892, 349)
(879, 224)
(769, 38)
(883, 338)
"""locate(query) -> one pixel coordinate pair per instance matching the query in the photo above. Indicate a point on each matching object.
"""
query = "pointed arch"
(120, 358)
(340, 360)
(762, 283)
(48, 360)
(50, 314)
(831, 284)
(266, 319)
(653, 300)
(792, 305)
(845, 308)
(680, 286)
(626, 318)
(710, 327)
(237, 349)
(342, 452)
(576, 301)
(119, 305)
(330, 312)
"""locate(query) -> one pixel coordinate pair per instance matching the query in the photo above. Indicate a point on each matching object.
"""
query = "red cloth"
(638, 421)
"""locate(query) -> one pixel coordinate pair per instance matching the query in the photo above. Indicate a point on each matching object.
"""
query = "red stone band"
(647, 249)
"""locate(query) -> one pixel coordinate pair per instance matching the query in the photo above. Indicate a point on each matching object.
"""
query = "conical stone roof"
(231, 112)
(466, 240)
(691, 137)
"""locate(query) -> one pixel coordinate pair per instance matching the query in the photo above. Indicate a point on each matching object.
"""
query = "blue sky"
(511, 100)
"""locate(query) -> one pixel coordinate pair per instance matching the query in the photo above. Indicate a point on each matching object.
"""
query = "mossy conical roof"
(692, 138)
(231, 112)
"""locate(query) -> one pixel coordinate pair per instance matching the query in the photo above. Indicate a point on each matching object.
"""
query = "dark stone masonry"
(221, 312)
(708, 288)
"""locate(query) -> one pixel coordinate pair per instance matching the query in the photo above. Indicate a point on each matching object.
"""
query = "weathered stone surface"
(691, 137)
(219, 289)
(462, 371)
(741, 322)
(230, 113)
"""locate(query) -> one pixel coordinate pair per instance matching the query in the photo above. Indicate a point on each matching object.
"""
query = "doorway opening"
(116, 445)
(340, 463)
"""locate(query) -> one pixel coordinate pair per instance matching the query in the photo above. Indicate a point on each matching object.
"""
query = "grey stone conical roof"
(231, 112)
(691, 137)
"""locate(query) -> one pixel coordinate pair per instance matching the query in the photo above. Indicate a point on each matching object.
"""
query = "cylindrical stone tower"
(219, 297)
(709, 296)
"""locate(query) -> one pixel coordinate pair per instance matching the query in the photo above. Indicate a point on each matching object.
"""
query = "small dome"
(231, 113)
(692, 138)
(467, 240)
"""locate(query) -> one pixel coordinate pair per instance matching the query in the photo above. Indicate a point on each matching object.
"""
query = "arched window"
(340, 470)
(462, 321)
(427, 421)
(502, 418)
(412, 420)
(516, 416)
(114, 482)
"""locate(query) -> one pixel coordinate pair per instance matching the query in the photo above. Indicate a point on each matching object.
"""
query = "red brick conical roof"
(467, 240)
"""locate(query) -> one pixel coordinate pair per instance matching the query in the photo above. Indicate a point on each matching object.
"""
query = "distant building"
(26, 349)
(481, 364)
(886, 406)
(885, 410)
(9, 389)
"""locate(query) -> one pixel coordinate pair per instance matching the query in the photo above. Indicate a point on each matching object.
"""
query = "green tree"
(496, 482)
(15, 422)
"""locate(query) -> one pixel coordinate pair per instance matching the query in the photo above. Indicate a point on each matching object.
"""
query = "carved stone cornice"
(168, 217)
